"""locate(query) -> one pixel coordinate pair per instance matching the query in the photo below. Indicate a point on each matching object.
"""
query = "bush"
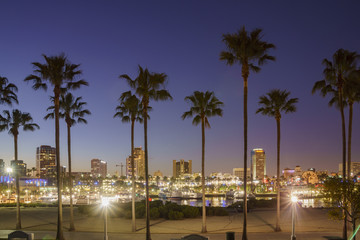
(190, 212)
(140, 211)
(175, 215)
(154, 213)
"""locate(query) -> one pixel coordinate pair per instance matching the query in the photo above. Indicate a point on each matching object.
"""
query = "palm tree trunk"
(17, 175)
(203, 229)
(72, 225)
(133, 178)
(349, 140)
(277, 228)
(148, 236)
(59, 234)
(245, 73)
(344, 154)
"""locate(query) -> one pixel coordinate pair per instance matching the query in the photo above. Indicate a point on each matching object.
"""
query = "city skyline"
(184, 41)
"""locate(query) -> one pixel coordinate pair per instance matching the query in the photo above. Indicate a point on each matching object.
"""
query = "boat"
(176, 194)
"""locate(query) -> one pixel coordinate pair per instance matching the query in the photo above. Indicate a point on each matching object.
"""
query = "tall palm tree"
(148, 86)
(61, 75)
(203, 106)
(273, 104)
(129, 110)
(7, 92)
(72, 111)
(12, 121)
(336, 74)
(250, 51)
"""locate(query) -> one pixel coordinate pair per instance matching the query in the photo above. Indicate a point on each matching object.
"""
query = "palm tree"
(148, 86)
(250, 52)
(273, 104)
(72, 111)
(203, 106)
(129, 110)
(60, 74)
(12, 122)
(351, 94)
(336, 74)
(7, 92)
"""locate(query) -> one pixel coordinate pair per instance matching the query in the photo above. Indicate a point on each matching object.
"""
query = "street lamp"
(9, 170)
(105, 204)
(294, 200)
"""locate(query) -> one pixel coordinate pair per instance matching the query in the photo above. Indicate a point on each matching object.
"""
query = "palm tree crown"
(7, 92)
(148, 86)
(58, 72)
(71, 110)
(247, 49)
(275, 102)
(16, 119)
(204, 105)
(129, 109)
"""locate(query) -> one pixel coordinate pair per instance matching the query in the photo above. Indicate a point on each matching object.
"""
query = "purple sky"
(184, 40)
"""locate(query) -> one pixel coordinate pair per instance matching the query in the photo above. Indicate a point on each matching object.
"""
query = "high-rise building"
(354, 170)
(239, 172)
(2, 167)
(298, 171)
(98, 168)
(182, 167)
(139, 163)
(258, 164)
(45, 160)
(21, 167)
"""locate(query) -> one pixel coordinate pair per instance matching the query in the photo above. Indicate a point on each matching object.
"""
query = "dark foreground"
(311, 224)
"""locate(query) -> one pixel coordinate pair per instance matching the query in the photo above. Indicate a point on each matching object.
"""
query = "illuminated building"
(21, 166)
(288, 173)
(239, 172)
(158, 173)
(45, 160)
(298, 171)
(182, 167)
(98, 168)
(258, 164)
(2, 167)
(354, 170)
(139, 163)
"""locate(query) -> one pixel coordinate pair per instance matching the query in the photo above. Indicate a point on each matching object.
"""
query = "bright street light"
(105, 204)
(294, 200)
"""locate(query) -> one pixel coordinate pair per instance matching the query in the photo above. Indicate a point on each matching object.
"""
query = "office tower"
(354, 170)
(98, 168)
(21, 167)
(258, 164)
(181, 167)
(139, 163)
(158, 173)
(298, 171)
(239, 172)
(45, 161)
(2, 167)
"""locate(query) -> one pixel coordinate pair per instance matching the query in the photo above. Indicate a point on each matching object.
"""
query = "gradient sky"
(182, 39)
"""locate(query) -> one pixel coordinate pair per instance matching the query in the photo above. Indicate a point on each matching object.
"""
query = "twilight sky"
(182, 39)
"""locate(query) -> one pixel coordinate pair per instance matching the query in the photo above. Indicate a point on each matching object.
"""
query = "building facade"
(354, 170)
(21, 167)
(239, 172)
(2, 167)
(139, 163)
(45, 161)
(98, 168)
(258, 164)
(182, 167)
